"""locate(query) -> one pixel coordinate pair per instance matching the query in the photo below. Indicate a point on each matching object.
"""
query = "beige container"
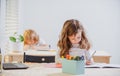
(102, 57)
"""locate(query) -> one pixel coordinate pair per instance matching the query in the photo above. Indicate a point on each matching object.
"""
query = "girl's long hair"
(71, 27)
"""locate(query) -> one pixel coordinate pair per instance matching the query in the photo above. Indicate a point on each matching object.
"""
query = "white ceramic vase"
(16, 46)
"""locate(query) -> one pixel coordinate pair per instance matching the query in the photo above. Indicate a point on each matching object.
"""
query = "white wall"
(99, 17)
(2, 22)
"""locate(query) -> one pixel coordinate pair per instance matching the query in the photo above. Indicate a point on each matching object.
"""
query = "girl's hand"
(88, 62)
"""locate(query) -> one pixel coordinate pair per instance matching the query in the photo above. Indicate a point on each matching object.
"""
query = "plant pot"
(16, 46)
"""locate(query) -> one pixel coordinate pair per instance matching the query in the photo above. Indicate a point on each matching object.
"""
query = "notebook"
(8, 66)
(96, 65)
(103, 65)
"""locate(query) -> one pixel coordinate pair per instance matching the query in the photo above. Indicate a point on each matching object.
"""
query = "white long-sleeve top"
(75, 51)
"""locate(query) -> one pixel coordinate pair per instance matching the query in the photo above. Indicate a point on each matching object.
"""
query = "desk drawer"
(39, 59)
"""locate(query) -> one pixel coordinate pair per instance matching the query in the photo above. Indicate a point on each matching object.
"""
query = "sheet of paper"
(103, 65)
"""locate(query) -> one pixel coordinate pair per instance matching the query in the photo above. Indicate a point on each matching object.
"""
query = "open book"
(103, 65)
(96, 65)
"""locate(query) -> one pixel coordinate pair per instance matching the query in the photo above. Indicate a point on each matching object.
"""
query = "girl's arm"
(26, 47)
(57, 58)
(41, 45)
(89, 59)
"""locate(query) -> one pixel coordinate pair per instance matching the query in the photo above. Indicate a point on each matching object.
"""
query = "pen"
(92, 55)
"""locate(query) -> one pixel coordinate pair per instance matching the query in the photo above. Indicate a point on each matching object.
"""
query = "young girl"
(73, 40)
(33, 42)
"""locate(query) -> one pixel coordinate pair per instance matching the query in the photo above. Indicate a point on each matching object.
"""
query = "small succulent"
(16, 38)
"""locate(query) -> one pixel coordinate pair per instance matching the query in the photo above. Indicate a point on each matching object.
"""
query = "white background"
(101, 19)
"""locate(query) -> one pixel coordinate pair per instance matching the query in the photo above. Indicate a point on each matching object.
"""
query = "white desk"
(36, 69)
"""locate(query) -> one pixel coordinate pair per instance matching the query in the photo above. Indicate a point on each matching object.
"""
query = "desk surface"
(36, 69)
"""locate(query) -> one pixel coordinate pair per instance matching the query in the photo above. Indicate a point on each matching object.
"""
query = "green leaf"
(21, 39)
(13, 39)
(77, 58)
(15, 33)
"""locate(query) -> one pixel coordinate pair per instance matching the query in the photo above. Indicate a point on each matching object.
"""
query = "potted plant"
(16, 42)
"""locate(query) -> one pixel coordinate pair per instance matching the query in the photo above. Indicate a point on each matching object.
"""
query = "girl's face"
(30, 42)
(75, 39)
